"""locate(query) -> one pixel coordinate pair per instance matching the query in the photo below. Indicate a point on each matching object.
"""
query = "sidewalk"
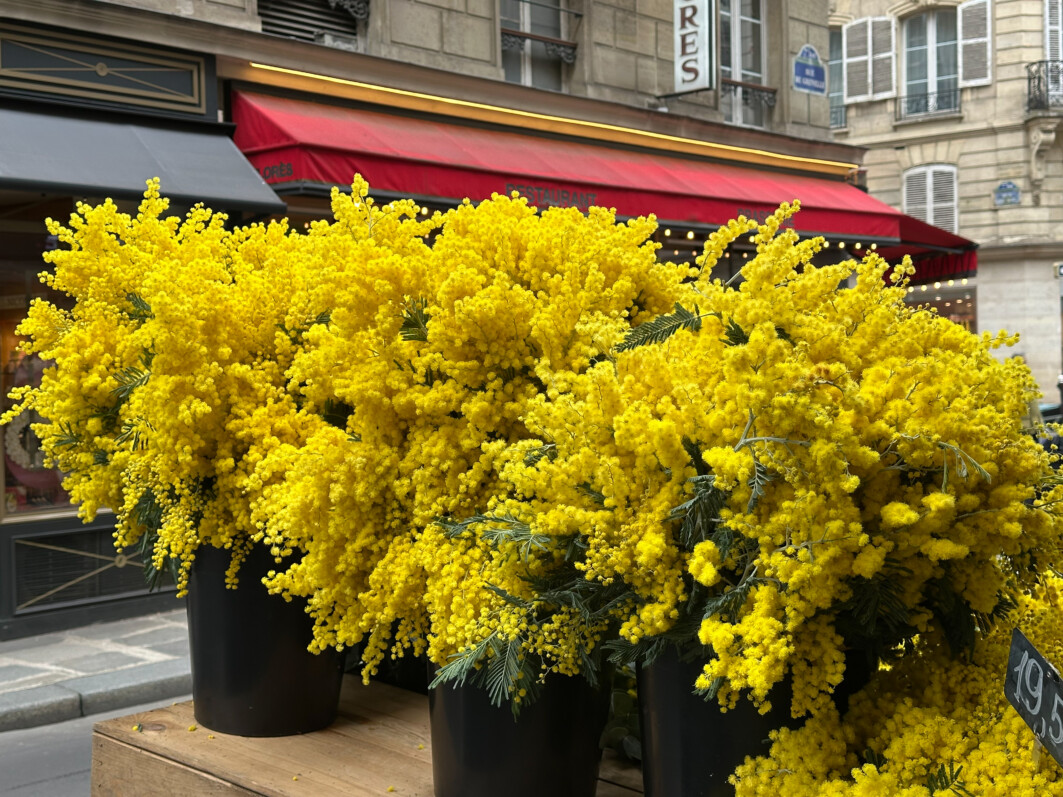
(102, 667)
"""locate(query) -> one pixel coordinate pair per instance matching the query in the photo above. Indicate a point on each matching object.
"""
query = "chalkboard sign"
(1033, 686)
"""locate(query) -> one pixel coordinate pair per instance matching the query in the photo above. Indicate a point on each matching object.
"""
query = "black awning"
(94, 157)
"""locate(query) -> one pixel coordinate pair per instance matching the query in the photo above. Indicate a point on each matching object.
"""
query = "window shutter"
(856, 60)
(1054, 30)
(975, 37)
(883, 47)
(915, 194)
(943, 196)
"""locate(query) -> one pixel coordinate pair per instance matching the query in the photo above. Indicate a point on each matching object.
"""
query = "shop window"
(29, 486)
(535, 49)
(930, 195)
(836, 80)
(744, 99)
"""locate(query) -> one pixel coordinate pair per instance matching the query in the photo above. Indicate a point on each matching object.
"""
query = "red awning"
(298, 142)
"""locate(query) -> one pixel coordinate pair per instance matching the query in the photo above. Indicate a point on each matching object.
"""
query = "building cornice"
(1031, 250)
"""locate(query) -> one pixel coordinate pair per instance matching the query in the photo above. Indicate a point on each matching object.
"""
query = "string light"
(690, 235)
(841, 244)
(922, 287)
(963, 281)
(951, 283)
(667, 233)
(874, 247)
(857, 245)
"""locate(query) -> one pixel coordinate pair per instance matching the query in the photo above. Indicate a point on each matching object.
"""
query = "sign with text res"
(694, 27)
(1033, 687)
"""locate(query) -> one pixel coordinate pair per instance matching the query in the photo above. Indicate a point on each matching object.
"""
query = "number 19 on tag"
(1033, 687)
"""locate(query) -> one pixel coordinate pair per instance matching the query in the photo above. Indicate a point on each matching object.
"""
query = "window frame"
(932, 80)
(738, 109)
(527, 71)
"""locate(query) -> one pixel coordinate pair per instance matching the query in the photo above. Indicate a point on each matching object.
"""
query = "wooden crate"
(379, 745)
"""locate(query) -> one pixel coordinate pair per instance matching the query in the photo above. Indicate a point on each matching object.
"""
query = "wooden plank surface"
(378, 745)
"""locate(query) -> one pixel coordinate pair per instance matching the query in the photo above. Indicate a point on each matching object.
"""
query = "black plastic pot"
(251, 672)
(689, 746)
(478, 750)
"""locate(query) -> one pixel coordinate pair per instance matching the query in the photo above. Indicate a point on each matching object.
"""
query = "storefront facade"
(428, 101)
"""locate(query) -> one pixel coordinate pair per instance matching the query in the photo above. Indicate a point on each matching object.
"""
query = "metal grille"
(73, 568)
(305, 20)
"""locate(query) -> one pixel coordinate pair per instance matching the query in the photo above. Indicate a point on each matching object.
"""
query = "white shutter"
(915, 194)
(1054, 30)
(975, 34)
(856, 60)
(883, 47)
(944, 209)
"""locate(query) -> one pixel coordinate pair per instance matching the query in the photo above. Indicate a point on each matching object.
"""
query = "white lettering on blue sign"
(810, 75)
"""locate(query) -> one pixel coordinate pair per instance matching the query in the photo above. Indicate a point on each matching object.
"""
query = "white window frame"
(935, 211)
(931, 17)
(880, 59)
(737, 105)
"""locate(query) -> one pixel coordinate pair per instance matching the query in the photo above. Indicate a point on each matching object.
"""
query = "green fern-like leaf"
(947, 780)
(129, 379)
(661, 328)
(141, 309)
(761, 477)
(877, 760)
(727, 605)
(415, 320)
(699, 515)
(66, 438)
(734, 335)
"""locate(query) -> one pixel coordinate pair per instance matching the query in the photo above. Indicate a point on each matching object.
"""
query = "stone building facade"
(960, 128)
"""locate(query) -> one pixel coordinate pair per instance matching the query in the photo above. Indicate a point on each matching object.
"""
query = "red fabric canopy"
(293, 141)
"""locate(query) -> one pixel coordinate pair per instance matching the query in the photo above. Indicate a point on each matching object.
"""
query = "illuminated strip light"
(690, 142)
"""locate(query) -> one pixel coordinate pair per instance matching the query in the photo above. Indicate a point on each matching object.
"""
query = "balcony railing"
(837, 116)
(1044, 85)
(914, 106)
(752, 93)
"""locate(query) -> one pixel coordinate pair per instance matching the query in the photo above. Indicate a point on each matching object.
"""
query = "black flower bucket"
(251, 672)
(551, 750)
(689, 746)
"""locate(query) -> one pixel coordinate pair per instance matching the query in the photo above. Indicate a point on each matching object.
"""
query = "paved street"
(55, 760)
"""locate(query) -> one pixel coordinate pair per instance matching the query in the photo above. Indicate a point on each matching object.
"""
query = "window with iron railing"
(931, 65)
(744, 98)
(535, 42)
(338, 23)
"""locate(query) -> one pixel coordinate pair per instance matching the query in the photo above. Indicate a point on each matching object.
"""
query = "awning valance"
(96, 157)
(296, 142)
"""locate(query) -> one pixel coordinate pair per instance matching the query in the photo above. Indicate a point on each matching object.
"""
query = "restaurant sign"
(694, 39)
(544, 196)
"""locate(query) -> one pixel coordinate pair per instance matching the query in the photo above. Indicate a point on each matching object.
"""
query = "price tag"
(1034, 688)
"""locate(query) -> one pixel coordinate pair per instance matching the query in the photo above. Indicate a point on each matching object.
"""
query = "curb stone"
(93, 694)
(41, 705)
